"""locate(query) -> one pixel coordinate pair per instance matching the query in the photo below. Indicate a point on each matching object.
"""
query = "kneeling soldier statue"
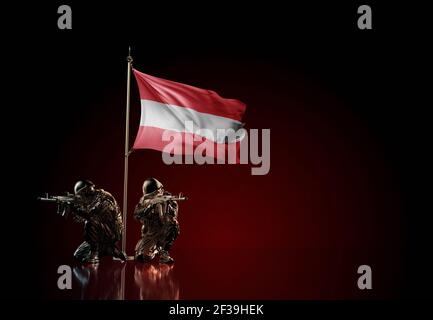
(157, 211)
(102, 219)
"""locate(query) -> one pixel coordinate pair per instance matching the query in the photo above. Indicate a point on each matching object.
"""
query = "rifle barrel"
(47, 199)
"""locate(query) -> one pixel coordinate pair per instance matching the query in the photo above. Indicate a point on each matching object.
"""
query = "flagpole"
(125, 173)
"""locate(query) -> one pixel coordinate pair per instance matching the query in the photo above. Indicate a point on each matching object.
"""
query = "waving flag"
(197, 115)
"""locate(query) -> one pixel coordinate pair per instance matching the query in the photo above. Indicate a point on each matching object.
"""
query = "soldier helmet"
(151, 185)
(83, 184)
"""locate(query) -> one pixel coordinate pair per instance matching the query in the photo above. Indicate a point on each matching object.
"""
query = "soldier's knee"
(83, 251)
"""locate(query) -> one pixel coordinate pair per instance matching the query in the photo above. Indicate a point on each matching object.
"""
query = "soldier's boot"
(165, 257)
(117, 253)
(143, 258)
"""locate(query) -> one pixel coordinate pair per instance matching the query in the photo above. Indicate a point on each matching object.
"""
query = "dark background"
(347, 136)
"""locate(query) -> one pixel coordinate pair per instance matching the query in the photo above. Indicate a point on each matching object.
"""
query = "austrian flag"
(184, 120)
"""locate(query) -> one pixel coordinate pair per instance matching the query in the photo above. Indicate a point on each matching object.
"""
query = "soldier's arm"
(173, 206)
(159, 211)
(79, 212)
(171, 212)
(77, 218)
(140, 210)
(83, 212)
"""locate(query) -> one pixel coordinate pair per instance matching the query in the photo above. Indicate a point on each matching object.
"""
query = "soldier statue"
(101, 216)
(102, 219)
(157, 211)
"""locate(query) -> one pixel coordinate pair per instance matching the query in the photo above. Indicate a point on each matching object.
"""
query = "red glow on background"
(327, 205)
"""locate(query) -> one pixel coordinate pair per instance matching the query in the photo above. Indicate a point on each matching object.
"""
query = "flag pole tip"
(129, 57)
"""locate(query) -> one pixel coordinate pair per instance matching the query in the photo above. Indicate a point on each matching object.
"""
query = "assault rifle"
(167, 197)
(62, 202)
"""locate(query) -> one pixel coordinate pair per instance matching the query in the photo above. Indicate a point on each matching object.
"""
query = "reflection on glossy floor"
(156, 281)
(99, 281)
(229, 274)
(108, 281)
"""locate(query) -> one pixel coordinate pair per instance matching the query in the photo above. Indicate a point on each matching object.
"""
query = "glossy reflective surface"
(232, 274)
(114, 280)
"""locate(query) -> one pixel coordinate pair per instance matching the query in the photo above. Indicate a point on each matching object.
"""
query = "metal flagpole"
(125, 173)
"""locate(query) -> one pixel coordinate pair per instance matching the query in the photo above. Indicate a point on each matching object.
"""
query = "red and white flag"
(166, 106)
